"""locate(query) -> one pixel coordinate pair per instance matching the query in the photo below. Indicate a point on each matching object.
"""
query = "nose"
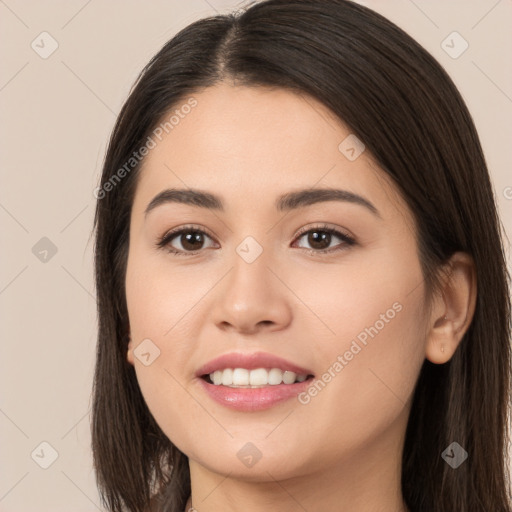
(252, 298)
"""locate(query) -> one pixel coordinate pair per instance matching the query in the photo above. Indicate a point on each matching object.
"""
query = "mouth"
(256, 378)
(252, 382)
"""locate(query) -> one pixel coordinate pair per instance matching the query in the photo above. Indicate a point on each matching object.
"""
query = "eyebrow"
(286, 202)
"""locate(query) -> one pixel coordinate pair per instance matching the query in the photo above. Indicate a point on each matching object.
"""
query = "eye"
(192, 238)
(320, 238)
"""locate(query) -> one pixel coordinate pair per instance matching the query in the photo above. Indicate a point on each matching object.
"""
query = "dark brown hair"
(401, 103)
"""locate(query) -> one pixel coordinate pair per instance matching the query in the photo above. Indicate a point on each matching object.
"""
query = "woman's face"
(250, 279)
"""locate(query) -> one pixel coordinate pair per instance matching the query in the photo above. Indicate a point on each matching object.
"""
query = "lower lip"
(253, 399)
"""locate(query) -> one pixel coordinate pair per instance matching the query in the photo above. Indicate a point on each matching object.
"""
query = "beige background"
(57, 113)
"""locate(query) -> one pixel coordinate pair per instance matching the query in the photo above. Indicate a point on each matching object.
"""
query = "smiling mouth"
(254, 378)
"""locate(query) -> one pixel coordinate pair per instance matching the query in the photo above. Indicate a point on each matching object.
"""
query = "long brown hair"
(401, 103)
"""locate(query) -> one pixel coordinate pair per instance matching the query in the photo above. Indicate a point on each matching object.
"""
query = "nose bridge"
(249, 282)
(252, 295)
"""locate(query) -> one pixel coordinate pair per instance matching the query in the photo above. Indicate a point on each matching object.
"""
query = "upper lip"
(250, 362)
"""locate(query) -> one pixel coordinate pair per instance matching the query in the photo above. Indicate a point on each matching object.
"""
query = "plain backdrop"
(67, 67)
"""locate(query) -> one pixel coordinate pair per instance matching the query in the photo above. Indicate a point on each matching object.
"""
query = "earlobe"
(452, 310)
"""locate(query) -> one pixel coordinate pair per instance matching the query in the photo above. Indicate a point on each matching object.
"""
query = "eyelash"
(164, 242)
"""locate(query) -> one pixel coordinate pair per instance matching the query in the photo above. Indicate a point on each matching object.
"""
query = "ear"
(129, 353)
(452, 309)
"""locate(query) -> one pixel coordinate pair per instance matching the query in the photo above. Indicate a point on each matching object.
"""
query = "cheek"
(367, 385)
(148, 295)
(163, 321)
(371, 299)
(162, 301)
(372, 362)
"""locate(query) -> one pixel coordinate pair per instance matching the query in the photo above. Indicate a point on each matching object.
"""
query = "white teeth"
(258, 377)
(289, 377)
(227, 377)
(216, 377)
(241, 377)
(275, 376)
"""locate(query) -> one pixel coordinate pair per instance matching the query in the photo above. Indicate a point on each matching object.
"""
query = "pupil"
(190, 239)
(314, 237)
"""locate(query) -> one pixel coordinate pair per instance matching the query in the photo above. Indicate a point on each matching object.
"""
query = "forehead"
(247, 143)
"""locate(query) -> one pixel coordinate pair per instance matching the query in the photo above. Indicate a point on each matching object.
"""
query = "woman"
(302, 291)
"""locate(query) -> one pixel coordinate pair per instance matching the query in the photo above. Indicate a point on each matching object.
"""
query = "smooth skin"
(342, 450)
